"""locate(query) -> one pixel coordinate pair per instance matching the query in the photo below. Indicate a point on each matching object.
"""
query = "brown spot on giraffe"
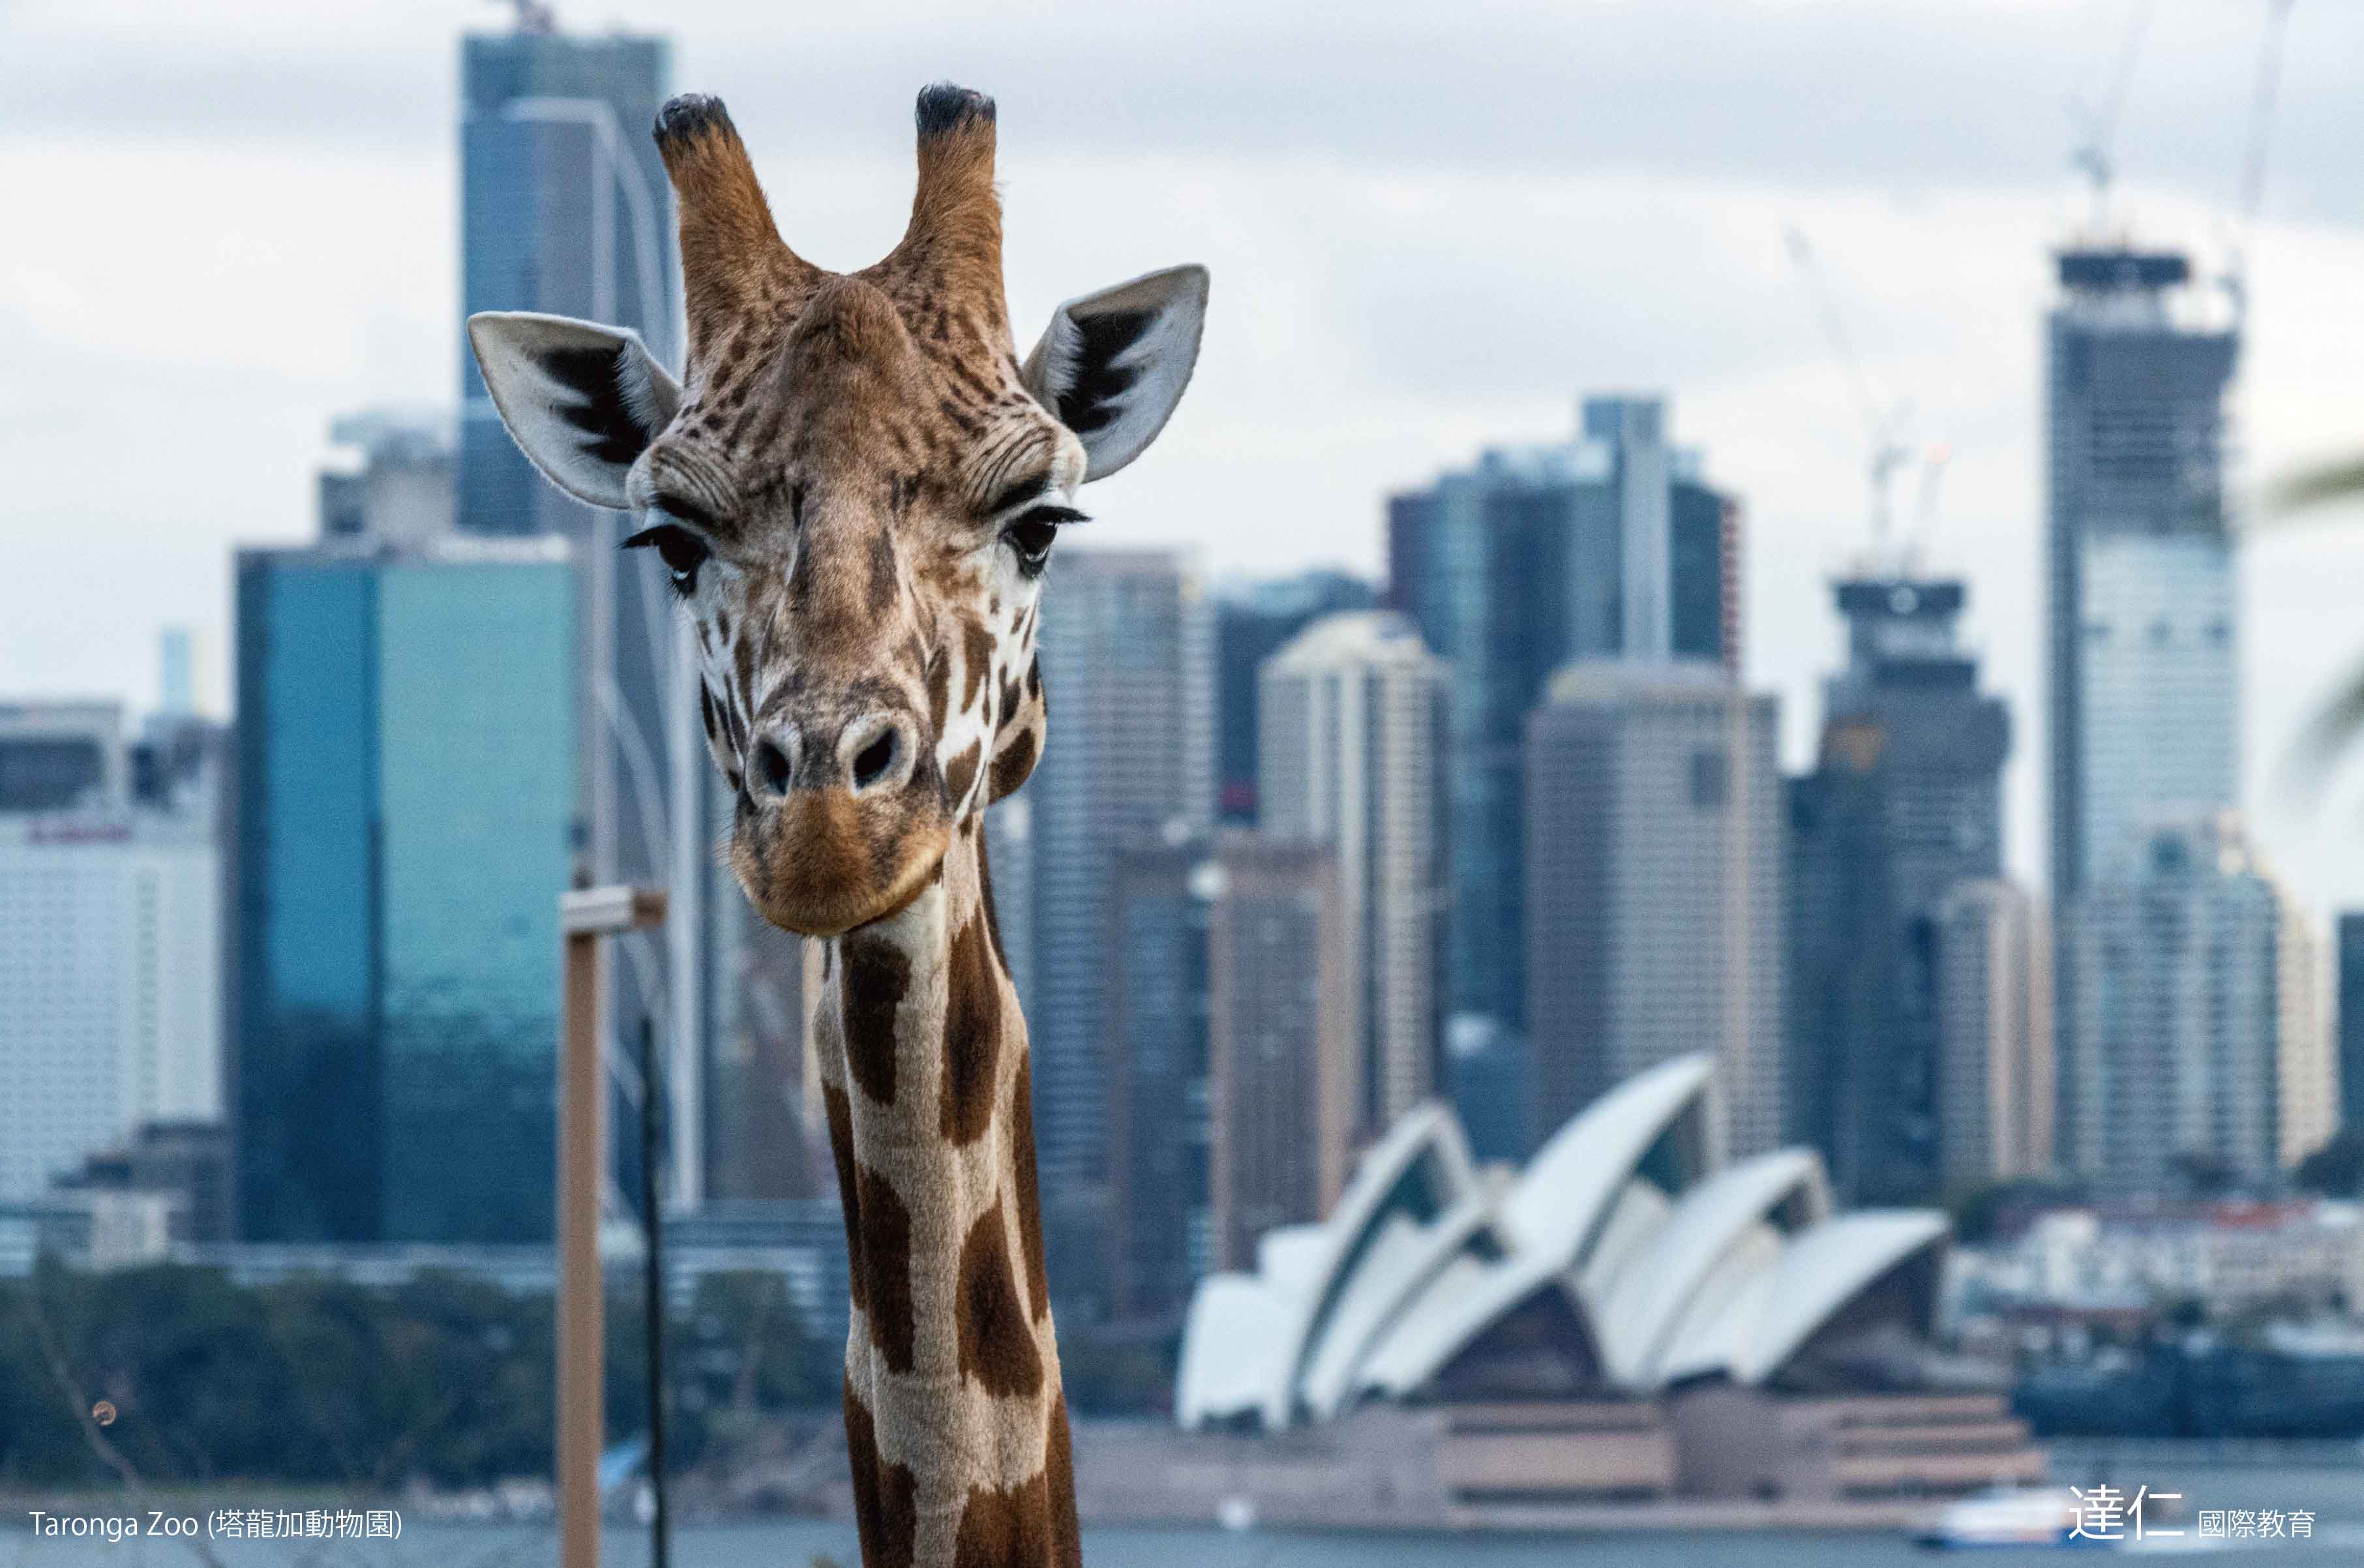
(976, 659)
(876, 974)
(996, 1347)
(1006, 1527)
(1059, 1482)
(886, 1496)
(972, 1035)
(940, 680)
(963, 772)
(1013, 764)
(886, 1268)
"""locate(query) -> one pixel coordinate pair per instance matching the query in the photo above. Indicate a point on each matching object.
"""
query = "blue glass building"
(406, 812)
(1610, 545)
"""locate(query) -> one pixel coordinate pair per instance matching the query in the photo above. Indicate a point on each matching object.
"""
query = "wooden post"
(583, 917)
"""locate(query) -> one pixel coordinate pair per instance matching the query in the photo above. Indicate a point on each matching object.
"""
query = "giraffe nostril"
(872, 763)
(772, 767)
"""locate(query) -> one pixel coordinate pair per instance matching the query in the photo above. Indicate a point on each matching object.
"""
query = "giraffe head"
(855, 489)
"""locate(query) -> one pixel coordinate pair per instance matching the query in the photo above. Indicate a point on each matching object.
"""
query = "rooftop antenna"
(1884, 421)
(2253, 155)
(2096, 123)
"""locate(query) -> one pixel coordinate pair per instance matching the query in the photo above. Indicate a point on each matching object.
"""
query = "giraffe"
(855, 489)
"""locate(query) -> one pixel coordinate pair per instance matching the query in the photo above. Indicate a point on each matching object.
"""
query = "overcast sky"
(1431, 226)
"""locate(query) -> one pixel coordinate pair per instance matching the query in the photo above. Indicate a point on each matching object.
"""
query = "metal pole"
(583, 917)
(653, 1282)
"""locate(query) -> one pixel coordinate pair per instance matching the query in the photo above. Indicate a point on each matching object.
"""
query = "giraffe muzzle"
(838, 825)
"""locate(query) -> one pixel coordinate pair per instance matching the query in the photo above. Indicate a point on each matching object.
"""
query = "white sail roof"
(1424, 1255)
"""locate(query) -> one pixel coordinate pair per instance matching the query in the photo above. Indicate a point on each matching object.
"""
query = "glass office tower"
(406, 806)
(2142, 644)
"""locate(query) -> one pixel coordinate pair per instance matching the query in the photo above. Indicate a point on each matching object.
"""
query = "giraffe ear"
(582, 401)
(1113, 365)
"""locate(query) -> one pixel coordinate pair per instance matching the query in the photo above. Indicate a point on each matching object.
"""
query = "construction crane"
(1885, 421)
(2258, 143)
(2090, 153)
(1925, 511)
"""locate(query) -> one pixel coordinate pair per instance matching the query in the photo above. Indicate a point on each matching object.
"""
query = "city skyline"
(1695, 295)
(1623, 542)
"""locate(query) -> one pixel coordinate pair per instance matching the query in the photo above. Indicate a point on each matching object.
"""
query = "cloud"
(1890, 94)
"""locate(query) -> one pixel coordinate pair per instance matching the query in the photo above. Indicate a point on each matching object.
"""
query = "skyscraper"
(1904, 802)
(110, 935)
(1612, 544)
(1653, 912)
(1127, 658)
(1279, 1069)
(2193, 1062)
(2141, 649)
(2142, 663)
(1159, 1235)
(1233, 1102)
(407, 801)
(1350, 753)
(1995, 1096)
(1251, 620)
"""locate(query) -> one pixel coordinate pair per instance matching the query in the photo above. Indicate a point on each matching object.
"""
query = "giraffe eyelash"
(1055, 516)
(1030, 535)
(683, 551)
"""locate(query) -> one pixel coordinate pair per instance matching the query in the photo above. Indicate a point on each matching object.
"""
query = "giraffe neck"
(955, 1423)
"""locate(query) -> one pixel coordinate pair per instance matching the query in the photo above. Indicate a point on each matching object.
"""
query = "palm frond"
(2327, 485)
(2325, 738)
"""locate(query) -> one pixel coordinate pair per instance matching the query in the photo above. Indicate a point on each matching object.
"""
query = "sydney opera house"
(1624, 1319)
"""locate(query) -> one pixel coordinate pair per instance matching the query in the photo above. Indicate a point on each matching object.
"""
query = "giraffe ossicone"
(855, 486)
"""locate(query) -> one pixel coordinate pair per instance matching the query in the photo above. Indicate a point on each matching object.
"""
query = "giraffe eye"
(682, 551)
(1031, 540)
(1031, 533)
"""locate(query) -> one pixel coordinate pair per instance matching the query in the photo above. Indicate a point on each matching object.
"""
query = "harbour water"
(2330, 1490)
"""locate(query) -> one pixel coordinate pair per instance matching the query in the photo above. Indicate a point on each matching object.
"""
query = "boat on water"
(2042, 1515)
(2008, 1515)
